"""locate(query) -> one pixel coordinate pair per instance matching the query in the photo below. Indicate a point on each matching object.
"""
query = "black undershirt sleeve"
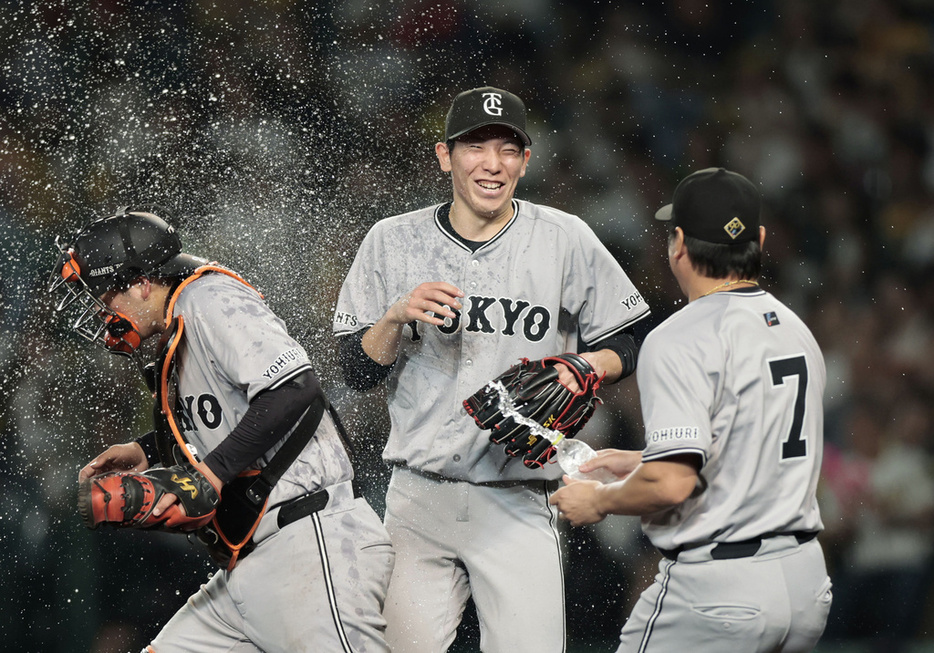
(148, 442)
(272, 414)
(360, 371)
(624, 345)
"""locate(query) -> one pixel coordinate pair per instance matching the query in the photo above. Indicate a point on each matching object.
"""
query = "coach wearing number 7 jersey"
(731, 389)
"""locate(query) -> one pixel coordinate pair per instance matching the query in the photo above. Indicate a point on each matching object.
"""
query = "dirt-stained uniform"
(316, 584)
(466, 519)
(241, 388)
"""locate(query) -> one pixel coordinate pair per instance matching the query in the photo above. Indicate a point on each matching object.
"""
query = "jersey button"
(457, 457)
(468, 362)
(475, 263)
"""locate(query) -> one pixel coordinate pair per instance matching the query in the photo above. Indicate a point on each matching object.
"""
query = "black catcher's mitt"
(127, 499)
(527, 409)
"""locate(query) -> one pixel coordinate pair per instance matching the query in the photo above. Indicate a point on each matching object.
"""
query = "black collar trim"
(443, 222)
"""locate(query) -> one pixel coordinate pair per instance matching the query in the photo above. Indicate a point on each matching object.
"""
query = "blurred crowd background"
(274, 134)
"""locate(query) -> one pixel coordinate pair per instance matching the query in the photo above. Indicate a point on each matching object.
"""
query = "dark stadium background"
(273, 134)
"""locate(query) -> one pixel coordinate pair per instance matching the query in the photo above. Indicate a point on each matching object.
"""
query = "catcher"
(246, 453)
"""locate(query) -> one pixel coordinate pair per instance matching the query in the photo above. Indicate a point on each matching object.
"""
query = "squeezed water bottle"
(572, 453)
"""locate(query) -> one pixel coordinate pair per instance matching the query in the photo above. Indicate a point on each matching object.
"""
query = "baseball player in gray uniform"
(438, 302)
(317, 577)
(731, 389)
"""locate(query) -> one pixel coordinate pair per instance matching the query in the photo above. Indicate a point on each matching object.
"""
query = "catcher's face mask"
(95, 321)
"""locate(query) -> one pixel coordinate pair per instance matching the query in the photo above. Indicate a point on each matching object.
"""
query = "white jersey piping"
(676, 452)
(621, 327)
(553, 524)
(650, 626)
(329, 584)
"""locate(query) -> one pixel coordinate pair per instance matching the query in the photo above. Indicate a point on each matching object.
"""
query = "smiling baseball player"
(438, 302)
(731, 389)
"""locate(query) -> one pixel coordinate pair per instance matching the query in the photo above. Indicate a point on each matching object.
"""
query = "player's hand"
(127, 457)
(596, 360)
(577, 502)
(430, 302)
(619, 462)
(566, 378)
(165, 503)
(169, 499)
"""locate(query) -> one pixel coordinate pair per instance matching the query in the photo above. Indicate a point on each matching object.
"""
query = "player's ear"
(144, 285)
(761, 236)
(526, 153)
(444, 156)
(676, 243)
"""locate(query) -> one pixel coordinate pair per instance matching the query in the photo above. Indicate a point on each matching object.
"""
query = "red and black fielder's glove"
(127, 499)
(526, 405)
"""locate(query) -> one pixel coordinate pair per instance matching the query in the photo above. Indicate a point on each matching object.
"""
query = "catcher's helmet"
(108, 254)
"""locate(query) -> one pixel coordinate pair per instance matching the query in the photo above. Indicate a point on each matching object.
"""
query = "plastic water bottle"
(572, 453)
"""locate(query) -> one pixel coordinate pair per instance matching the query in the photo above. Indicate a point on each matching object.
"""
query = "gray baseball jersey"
(737, 378)
(320, 582)
(236, 347)
(528, 290)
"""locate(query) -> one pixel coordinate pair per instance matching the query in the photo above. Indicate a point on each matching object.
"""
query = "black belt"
(300, 507)
(743, 549)
(532, 483)
(307, 504)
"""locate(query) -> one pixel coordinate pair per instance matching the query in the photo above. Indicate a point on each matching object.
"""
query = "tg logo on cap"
(484, 106)
(493, 103)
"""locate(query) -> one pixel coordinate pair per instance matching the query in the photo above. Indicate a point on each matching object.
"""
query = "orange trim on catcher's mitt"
(127, 499)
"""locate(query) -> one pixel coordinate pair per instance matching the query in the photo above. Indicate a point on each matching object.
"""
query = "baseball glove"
(528, 410)
(127, 499)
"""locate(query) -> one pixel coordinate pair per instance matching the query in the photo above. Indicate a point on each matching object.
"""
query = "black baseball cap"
(715, 205)
(484, 106)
